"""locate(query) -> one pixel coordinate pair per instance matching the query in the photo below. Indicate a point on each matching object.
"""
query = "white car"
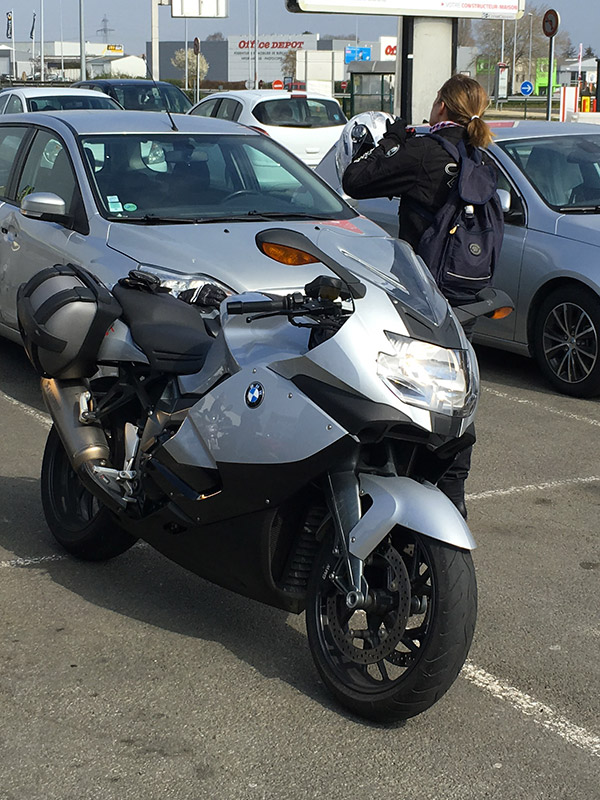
(45, 98)
(307, 124)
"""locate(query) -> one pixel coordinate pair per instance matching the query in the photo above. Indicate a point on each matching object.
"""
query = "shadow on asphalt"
(511, 370)
(145, 586)
(18, 378)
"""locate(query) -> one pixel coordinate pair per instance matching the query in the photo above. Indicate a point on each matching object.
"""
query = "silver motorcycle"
(284, 446)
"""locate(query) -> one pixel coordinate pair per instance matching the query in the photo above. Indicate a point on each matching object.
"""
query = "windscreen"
(565, 170)
(299, 112)
(64, 102)
(178, 177)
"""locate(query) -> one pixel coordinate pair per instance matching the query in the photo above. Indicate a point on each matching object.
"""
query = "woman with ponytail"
(419, 170)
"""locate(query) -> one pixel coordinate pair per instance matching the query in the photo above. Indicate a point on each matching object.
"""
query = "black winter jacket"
(416, 168)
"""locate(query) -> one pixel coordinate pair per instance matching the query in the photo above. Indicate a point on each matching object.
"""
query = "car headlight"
(178, 282)
(428, 376)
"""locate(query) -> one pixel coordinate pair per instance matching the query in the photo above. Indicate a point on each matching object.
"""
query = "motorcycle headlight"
(429, 376)
(178, 282)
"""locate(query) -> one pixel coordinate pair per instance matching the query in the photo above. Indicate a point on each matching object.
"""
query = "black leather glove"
(396, 131)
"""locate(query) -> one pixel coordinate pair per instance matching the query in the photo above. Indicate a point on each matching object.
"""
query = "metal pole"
(550, 77)
(530, 40)
(187, 82)
(398, 70)
(514, 57)
(82, 74)
(256, 44)
(42, 68)
(62, 48)
(14, 58)
(502, 48)
(154, 40)
(198, 77)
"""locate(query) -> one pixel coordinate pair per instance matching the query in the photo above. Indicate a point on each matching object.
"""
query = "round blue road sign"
(526, 88)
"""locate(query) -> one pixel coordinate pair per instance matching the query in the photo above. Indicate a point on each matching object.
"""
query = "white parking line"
(44, 419)
(558, 411)
(532, 487)
(540, 713)
(28, 562)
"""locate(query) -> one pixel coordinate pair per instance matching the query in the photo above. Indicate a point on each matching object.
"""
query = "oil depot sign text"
(271, 50)
(245, 44)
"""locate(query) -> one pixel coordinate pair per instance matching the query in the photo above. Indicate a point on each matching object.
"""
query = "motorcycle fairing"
(421, 507)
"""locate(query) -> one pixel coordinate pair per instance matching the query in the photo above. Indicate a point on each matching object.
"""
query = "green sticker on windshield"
(114, 204)
(130, 207)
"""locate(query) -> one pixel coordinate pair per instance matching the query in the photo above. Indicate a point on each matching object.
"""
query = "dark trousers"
(452, 482)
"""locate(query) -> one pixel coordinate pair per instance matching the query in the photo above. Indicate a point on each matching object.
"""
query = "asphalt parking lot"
(134, 679)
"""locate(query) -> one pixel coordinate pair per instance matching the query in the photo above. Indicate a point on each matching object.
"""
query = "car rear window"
(64, 102)
(147, 96)
(299, 112)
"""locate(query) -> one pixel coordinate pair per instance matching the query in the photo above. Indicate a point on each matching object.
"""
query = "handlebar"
(289, 303)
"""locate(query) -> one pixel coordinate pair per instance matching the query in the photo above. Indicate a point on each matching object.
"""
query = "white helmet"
(365, 128)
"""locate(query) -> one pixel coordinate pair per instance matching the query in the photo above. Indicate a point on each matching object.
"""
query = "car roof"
(505, 130)
(269, 94)
(50, 91)
(123, 82)
(94, 121)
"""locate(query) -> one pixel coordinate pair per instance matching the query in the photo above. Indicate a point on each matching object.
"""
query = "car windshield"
(148, 96)
(181, 177)
(299, 112)
(565, 170)
(61, 102)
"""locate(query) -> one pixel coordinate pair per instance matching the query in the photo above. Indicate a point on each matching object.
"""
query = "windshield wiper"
(154, 219)
(580, 209)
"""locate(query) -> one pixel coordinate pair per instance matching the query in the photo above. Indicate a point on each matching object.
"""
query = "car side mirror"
(505, 199)
(44, 205)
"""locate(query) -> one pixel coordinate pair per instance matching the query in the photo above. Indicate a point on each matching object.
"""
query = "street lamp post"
(81, 43)
(530, 15)
(514, 63)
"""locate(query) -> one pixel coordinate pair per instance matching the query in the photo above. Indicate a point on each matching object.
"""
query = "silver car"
(183, 197)
(550, 261)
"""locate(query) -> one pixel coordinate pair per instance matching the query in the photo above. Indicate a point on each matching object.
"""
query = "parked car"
(28, 98)
(138, 94)
(551, 254)
(307, 124)
(119, 191)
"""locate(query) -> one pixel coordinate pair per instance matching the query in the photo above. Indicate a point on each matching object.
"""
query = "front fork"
(343, 499)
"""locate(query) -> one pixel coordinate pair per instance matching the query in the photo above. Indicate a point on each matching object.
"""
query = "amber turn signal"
(500, 313)
(287, 255)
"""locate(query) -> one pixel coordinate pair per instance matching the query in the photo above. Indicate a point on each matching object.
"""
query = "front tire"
(397, 659)
(77, 520)
(566, 340)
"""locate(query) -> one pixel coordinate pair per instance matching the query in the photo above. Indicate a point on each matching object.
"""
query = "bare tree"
(288, 63)
(215, 37)
(465, 33)
(178, 62)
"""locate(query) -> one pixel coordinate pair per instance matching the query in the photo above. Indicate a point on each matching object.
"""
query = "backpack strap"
(451, 149)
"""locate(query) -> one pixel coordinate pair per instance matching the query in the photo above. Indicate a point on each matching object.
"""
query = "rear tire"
(396, 661)
(77, 520)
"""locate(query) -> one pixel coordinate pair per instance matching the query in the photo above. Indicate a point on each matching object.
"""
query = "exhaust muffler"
(85, 443)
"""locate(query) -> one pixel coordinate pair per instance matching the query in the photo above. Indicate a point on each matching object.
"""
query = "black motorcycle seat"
(171, 333)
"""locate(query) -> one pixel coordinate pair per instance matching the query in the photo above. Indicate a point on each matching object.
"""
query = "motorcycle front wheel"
(84, 527)
(397, 658)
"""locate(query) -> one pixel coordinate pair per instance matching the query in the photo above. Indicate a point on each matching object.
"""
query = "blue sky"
(130, 20)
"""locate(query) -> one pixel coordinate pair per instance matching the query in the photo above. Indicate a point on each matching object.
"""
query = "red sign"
(550, 23)
(344, 85)
(278, 84)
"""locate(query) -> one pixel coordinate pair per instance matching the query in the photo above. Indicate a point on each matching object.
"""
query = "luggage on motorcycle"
(64, 313)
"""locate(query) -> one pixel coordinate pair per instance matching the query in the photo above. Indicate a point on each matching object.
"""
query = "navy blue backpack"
(462, 244)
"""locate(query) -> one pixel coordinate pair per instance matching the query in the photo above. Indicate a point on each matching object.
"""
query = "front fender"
(422, 507)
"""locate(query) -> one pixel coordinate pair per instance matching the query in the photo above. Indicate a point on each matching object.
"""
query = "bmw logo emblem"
(254, 395)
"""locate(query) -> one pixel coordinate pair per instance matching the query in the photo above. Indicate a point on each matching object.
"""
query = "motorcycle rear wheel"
(77, 520)
(396, 660)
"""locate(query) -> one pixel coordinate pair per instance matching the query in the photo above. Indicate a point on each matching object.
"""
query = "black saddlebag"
(64, 313)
